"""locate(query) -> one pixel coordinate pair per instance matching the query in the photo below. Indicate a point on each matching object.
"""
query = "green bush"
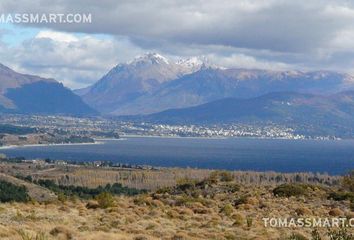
(288, 190)
(10, 192)
(105, 200)
(241, 200)
(228, 209)
(341, 196)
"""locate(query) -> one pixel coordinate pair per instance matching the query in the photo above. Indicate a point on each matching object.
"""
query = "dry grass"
(167, 215)
(225, 207)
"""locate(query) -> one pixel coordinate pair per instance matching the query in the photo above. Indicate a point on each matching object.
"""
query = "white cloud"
(76, 61)
(245, 61)
(57, 36)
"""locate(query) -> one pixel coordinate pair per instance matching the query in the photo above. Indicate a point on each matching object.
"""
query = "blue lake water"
(334, 157)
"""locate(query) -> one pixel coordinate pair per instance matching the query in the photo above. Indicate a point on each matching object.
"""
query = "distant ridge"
(276, 107)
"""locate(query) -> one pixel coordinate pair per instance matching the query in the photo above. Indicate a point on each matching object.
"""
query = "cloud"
(74, 60)
(276, 25)
(272, 34)
(245, 61)
(57, 36)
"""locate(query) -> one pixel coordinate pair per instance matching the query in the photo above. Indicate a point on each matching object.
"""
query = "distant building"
(34, 161)
(61, 162)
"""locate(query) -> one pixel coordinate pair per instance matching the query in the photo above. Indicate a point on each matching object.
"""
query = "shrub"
(340, 234)
(341, 196)
(92, 204)
(239, 219)
(223, 176)
(241, 200)
(336, 234)
(62, 198)
(297, 236)
(348, 181)
(57, 231)
(26, 236)
(226, 176)
(233, 187)
(335, 212)
(140, 238)
(105, 200)
(303, 211)
(315, 235)
(249, 222)
(185, 184)
(288, 190)
(227, 209)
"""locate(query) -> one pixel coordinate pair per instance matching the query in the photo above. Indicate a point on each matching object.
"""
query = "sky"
(267, 34)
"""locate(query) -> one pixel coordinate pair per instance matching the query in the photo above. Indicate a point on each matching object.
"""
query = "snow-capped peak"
(192, 62)
(152, 58)
(197, 63)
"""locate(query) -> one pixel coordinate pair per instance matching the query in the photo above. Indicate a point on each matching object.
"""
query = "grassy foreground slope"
(217, 207)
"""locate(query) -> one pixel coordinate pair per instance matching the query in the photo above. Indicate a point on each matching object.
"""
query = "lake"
(333, 157)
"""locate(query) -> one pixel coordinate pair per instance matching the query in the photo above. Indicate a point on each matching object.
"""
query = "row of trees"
(85, 192)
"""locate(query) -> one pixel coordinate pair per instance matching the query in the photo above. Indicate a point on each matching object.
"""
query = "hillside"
(280, 107)
(220, 205)
(35, 192)
(22, 93)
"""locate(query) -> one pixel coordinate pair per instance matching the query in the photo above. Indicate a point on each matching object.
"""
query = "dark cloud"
(302, 34)
(273, 25)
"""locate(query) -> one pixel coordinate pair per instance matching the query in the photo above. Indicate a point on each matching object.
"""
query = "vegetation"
(336, 234)
(85, 192)
(12, 193)
(289, 190)
(346, 192)
(348, 182)
(78, 139)
(223, 176)
(190, 204)
(26, 236)
(105, 200)
(17, 130)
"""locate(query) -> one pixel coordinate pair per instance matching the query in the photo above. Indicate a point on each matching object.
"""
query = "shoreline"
(235, 137)
(125, 137)
(178, 137)
(47, 145)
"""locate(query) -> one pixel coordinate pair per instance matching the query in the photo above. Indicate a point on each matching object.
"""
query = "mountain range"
(28, 94)
(152, 83)
(154, 88)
